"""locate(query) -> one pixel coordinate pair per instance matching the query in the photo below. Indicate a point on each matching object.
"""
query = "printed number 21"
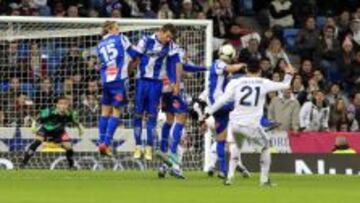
(248, 92)
(109, 52)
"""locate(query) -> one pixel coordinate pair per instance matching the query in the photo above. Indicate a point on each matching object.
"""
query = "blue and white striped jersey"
(115, 53)
(153, 57)
(217, 80)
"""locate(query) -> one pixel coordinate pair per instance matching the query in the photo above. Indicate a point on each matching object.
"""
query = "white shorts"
(255, 134)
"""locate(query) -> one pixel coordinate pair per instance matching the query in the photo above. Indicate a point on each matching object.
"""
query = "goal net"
(45, 57)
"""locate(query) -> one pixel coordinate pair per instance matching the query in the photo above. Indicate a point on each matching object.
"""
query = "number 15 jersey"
(249, 96)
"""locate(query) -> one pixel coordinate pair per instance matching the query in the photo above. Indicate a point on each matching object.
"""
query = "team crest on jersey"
(119, 97)
(176, 104)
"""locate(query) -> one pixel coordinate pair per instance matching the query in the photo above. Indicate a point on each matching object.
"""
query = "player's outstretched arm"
(285, 84)
(235, 67)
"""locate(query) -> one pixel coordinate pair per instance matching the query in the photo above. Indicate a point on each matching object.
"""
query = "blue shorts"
(114, 94)
(222, 118)
(174, 104)
(147, 95)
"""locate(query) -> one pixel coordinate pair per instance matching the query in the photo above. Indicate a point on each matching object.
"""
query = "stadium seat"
(4, 86)
(28, 88)
(289, 36)
(248, 6)
(320, 21)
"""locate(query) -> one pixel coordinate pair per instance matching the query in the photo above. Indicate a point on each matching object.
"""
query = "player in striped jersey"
(175, 106)
(115, 53)
(218, 79)
(153, 50)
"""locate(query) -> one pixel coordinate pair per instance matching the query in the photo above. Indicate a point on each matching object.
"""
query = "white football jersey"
(249, 95)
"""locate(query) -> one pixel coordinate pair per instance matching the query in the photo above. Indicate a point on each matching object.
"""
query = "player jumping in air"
(249, 94)
(52, 128)
(115, 53)
(218, 79)
(175, 106)
(153, 50)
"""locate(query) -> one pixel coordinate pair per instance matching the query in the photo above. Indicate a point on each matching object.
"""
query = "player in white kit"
(249, 95)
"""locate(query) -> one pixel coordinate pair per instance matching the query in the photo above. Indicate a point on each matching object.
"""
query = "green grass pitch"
(32, 186)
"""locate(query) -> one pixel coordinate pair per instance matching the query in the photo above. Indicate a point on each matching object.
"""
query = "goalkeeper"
(52, 128)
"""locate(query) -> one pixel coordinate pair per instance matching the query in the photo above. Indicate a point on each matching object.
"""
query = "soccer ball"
(227, 52)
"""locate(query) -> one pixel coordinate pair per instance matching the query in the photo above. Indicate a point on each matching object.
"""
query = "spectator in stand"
(145, 9)
(350, 117)
(307, 39)
(280, 66)
(336, 93)
(285, 110)
(344, 61)
(27, 8)
(281, 13)
(330, 21)
(354, 33)
(337, 114)
(21, 111)
(250, 52)
(352, 74)
(306, 71)
(343, 22)
(72, 11)
(93, 88)
(266, 38)
(298, 89)
(45, 96)
(265, 66)
(71, 64)
(93, 13)
(356, 102)
(8, 97)
(122, 5)
(275, 51)
(302, 10)
(89, 111)
(328, 47)
(2, 118)
(320, 80)
(36, 62)
(90, 73)
(59, 9)
(314, 114)
(187, 10)
(164, 11)
(115, 13)
(221, 18)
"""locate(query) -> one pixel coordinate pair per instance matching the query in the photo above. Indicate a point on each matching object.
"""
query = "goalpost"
(44, 57)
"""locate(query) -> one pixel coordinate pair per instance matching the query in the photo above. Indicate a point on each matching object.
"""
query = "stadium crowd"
(322, 42)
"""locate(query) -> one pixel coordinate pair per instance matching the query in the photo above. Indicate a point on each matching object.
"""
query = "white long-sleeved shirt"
(249, 95)
(314, 118)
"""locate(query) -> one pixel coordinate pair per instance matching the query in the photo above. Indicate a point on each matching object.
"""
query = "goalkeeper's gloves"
(34, 127)
(80, 130)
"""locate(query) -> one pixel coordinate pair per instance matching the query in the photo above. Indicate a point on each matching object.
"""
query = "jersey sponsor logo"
(111, 70)
(119, 97)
